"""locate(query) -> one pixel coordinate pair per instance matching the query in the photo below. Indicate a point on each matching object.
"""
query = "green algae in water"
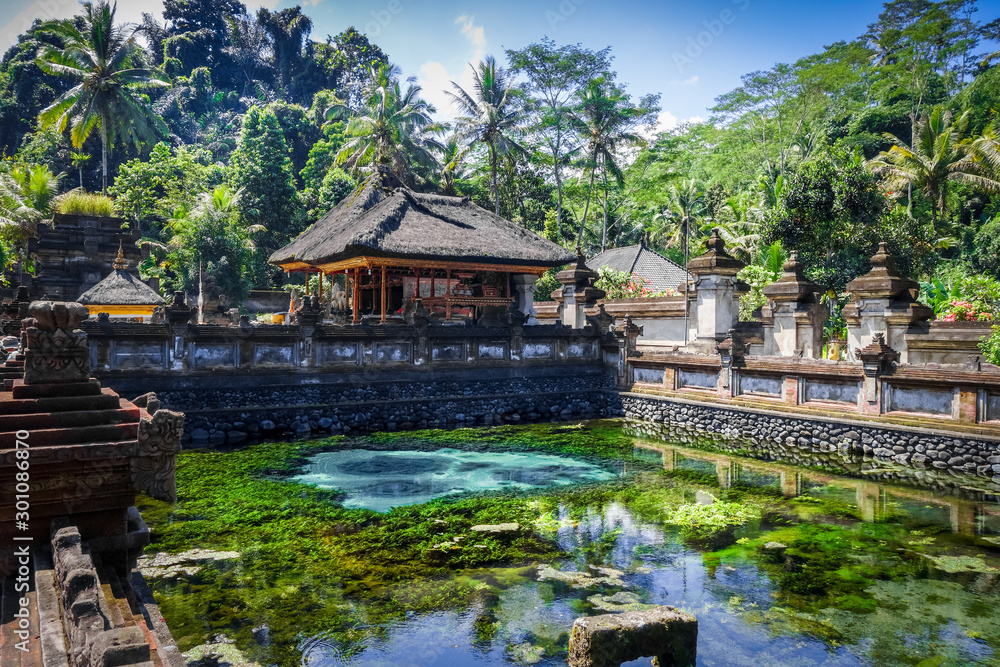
(336, 586)
(380, 480)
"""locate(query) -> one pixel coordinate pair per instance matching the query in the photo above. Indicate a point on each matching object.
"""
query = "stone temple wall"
(232, 415)
(916, 448)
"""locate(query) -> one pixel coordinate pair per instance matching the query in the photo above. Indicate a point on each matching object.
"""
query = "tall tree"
(391, 127)
(288, 29)
(262, 169)
(939, 156)
(490, 116)
(608, 120)
(556, 74)
(210, 238)
(105, 60)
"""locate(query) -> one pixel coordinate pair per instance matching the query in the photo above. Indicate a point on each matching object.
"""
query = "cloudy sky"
(691, 52)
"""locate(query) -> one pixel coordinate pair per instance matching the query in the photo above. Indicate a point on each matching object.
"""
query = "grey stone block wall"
(216, 416)
(920, 449)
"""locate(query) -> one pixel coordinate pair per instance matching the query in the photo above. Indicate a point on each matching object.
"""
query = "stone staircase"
(110, 623)
(89, 453)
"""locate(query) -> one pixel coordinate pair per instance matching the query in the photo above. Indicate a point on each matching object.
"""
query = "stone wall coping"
(785, 411)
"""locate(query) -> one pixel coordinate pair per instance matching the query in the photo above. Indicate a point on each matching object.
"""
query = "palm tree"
(211, 237)
(489, 116)
(607, 119)
(739, 224)
(453, 155)
(79, 158)
(104, 60)
(986, 151)
(940, 155)
(26, 195)
(390, 129)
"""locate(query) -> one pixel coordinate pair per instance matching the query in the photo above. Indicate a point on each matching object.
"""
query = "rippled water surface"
(836, 561)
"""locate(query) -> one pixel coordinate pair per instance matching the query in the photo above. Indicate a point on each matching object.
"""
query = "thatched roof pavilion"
(121, 293)
(385, 235)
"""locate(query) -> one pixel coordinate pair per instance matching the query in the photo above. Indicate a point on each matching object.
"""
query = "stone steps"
(91, 387)
(13, 406)
(73, 419)
(43, 437)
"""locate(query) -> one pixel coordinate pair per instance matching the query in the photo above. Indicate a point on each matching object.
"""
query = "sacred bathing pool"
(427, 467)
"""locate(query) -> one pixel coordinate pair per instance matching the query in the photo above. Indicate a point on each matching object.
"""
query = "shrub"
(546, 285)
(957, 296)
(622, 285)
(77, 202)
(990, 345)
(965, 311)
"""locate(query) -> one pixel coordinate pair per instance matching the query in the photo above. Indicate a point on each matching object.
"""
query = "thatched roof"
(642, 260)
(378, 220)
(121, 288)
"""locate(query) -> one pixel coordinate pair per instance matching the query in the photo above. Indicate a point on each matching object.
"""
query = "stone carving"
(875, 359)
(56, 350)
(154, 465)
(90, 643)
(669, 635)
(732, 352)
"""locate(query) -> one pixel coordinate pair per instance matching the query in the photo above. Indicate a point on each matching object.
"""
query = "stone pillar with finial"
(578, 292)
(882, 302)
(794, 315)
(716, 288)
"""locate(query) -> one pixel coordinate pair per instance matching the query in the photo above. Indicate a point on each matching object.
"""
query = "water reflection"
(755, 607)
(833, 569)
(875, 502)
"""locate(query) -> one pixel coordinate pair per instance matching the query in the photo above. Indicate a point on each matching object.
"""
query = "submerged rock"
(621, 601)
(526, 653)
(496, 528)
(582, 580)
(220, 652)
(170, 566)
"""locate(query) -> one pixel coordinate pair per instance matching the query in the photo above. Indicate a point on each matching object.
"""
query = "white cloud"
(474, 33)
(686, 82)
(435, 78)
(667, 121)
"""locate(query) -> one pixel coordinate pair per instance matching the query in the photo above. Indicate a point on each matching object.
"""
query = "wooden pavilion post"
(416, 288)
(383, 294)
(447, 296)
(307, 282)
(319, 292)
(354, 297)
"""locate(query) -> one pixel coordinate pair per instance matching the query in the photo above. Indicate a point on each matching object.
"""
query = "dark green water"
(781, 564)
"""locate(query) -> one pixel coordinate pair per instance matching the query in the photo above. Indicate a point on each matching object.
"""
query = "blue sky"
(688, 52)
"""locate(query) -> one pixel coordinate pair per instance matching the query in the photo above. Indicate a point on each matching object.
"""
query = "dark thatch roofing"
(378, 220)
(121, 288)
(643, 261)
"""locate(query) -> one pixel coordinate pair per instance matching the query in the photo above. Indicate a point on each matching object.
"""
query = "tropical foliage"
(891, 136)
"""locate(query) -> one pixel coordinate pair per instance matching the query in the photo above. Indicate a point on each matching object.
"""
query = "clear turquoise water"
(380, 480)
(881, 565)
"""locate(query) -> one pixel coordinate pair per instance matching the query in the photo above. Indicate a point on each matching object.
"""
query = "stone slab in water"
(664, 633)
